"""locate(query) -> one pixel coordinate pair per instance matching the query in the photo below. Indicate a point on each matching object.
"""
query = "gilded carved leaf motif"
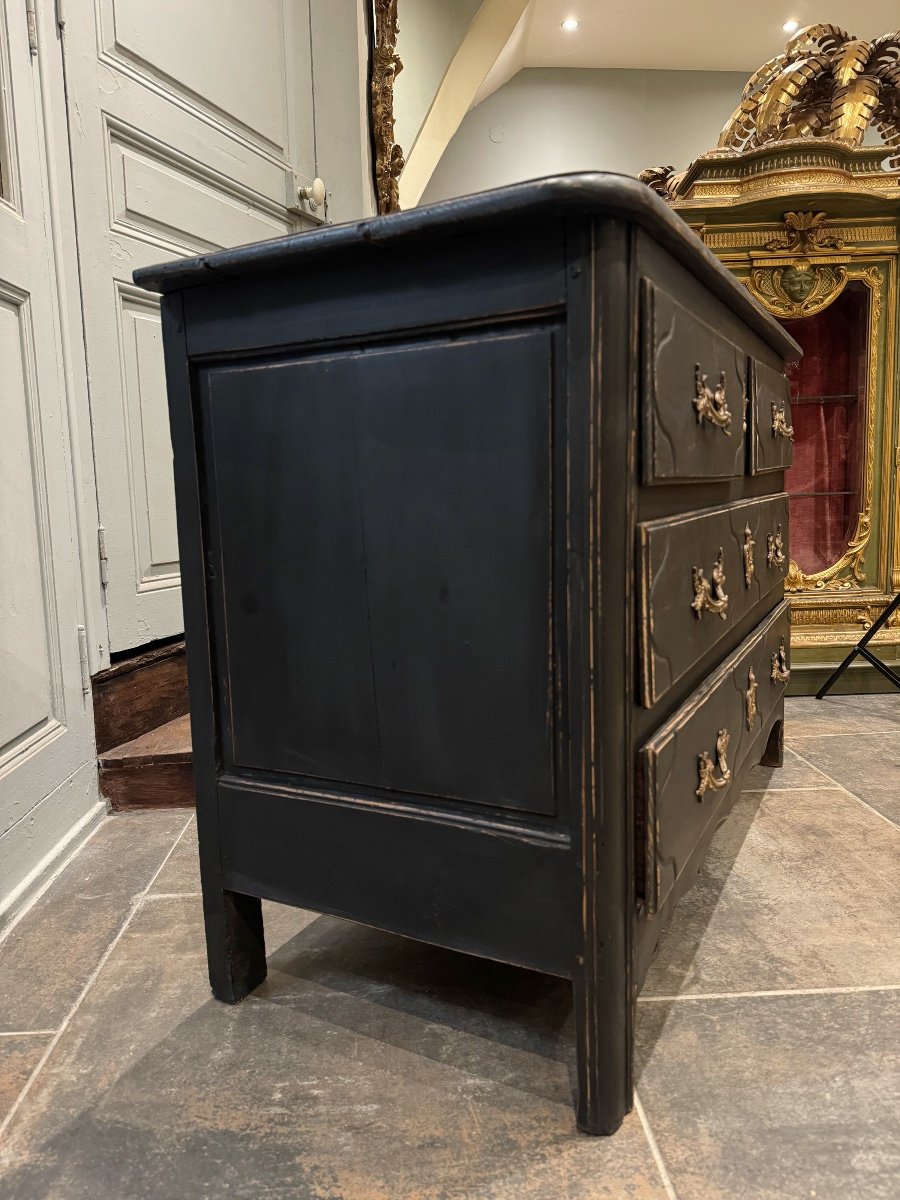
(852, 109)
(804, 233)
(784, 90)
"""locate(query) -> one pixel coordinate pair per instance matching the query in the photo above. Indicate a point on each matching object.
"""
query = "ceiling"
(685, 35)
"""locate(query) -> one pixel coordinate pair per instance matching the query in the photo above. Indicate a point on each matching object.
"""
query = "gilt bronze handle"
(706, 767)
(751, 698)
(781, 672)
(710, 596)
(780, 427)
(710, 403)
(775, 549)
(749, 564)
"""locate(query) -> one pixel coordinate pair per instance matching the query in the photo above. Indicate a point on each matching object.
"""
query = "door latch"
(307, 197)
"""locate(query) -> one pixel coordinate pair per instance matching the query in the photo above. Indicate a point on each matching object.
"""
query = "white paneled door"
(191, 124)
(47, 777)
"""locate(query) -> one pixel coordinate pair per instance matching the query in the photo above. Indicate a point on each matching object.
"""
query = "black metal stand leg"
(860, 649)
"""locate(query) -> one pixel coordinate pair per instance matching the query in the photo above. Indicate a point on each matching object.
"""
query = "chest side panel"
(381, 520)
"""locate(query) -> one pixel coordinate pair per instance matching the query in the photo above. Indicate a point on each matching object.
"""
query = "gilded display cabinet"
(804, 210)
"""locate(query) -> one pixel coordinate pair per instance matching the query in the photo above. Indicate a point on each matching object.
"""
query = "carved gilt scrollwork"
(710, 596)
(804, 233)
(710, 403)
(798, 289)
(706, 768)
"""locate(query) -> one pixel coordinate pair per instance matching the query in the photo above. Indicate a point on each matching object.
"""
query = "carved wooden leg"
(235, 944)
(773, 755)
(603, 1042)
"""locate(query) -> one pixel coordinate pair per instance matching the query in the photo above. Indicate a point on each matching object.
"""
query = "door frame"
(62, 396)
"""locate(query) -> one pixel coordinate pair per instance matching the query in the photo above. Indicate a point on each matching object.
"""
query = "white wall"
(340, 58)
(548, 120)
(431, 32)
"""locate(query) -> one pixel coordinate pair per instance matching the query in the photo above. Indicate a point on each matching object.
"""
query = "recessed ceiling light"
(791, 26)
(569, 24)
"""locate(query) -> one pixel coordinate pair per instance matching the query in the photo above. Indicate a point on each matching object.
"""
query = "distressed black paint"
(408, 471)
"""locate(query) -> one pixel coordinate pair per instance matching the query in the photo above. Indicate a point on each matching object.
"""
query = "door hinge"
(83, 658)
(31, 20)
(102, 555)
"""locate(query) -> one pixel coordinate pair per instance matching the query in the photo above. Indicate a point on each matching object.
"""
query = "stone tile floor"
(372, 1068)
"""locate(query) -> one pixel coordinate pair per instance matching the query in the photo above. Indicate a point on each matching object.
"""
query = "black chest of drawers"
(483, 542)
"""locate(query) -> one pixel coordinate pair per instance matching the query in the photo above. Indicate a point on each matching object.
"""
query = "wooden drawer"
(690, 767)
(772, 434)
(695, 582)
(695, 391)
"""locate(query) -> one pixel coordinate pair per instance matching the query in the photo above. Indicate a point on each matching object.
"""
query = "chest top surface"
(590, 196)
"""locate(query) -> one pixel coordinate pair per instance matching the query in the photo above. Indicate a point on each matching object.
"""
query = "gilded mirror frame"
(385, 66)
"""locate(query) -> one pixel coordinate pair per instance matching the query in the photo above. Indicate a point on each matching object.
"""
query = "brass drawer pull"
(710, 596)
(751, 698)
(775, 549)
(749, 564)
(781, 671)
(710, 403)
(706, 767)
(780, 427)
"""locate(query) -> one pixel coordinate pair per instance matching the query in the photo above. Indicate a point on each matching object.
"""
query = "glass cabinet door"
(828, 398)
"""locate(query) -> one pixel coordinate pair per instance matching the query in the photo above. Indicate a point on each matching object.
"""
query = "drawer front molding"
(695, 392)
(687, 603)
(773, 434)
(690, 768)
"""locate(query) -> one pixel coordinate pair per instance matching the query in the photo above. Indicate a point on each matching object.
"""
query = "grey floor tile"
(805, 716)
(800, 889)
(777, 1098)
(181, 872)
(18, 1058)
(367, 1067)
(867, 766)
(794, 774)
(49, 956)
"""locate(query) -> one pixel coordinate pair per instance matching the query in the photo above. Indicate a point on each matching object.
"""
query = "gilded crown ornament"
(826, 84)
(800, 126)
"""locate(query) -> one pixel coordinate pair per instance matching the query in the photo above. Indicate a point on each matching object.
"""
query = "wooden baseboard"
(139, 694)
